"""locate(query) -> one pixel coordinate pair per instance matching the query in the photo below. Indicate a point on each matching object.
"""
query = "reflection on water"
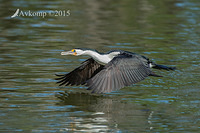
(105, 113)
(166, 31)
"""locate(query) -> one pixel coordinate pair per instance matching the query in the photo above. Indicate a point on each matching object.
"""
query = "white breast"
(103, 59)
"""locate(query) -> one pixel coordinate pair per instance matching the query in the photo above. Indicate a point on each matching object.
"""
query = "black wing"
(80, 75)
(121, 71)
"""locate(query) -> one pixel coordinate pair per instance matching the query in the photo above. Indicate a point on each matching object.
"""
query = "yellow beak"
(72, 52)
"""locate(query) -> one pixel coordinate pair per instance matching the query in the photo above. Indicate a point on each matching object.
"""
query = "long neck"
(93, 54)
(100, 58)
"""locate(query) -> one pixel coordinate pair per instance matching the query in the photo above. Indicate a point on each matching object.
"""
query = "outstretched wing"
(80, 75)
(121, 71)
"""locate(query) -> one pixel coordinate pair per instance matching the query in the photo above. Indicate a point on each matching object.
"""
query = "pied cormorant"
(103, 73)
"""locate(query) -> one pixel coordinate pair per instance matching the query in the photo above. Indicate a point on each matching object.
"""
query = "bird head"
(75, 52)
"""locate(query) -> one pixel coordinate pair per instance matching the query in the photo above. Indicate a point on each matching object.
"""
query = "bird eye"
(73, 50)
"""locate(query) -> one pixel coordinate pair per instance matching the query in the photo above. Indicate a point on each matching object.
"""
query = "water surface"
(166, 31)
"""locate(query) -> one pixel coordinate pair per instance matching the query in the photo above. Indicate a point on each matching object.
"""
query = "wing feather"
(121, 71)
(80, 75)
(105, 84)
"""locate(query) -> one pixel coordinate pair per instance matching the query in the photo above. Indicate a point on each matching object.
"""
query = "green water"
(166, 31)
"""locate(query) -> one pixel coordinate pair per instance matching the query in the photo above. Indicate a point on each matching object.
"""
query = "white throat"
(101, 59)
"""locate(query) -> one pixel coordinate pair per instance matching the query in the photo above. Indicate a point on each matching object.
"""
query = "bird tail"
(156, 66)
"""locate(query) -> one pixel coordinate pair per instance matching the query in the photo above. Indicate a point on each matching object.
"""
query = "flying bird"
(104, 73)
